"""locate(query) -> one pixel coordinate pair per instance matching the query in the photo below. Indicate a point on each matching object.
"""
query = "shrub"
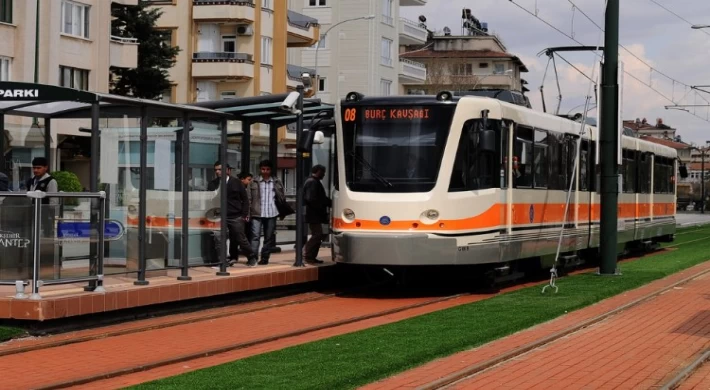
(68, 182)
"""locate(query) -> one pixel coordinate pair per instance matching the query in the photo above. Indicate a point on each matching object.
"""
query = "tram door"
(324, 154)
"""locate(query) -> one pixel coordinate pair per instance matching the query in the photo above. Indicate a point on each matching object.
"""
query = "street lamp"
(699, 26)
(323, 38)
(300, 179)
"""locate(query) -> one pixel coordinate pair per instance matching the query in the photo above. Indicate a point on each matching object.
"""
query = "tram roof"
(49, 102)
(267, 109)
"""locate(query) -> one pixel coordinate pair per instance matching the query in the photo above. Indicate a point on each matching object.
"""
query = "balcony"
(222, 66)
(126, 2)
(410, 33)
(406, 3)
(215, 10)
(123, 52)
(303, 31)
(294, 73)
(411, 72)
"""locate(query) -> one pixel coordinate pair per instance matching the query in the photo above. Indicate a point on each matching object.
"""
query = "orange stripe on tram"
(495, 216)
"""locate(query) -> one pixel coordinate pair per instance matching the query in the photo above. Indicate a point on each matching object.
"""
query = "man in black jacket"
(237, 214)
(317, 203)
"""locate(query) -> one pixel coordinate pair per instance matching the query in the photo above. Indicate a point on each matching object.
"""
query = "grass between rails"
(355, 359)
(7, 333)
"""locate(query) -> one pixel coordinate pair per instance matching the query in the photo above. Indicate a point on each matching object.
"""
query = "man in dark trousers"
(237, 214)
(317, 203)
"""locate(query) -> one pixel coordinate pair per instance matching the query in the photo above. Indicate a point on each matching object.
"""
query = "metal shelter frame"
(268, 110)
(52, 102)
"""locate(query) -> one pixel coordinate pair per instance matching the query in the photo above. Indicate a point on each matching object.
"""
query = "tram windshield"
(394, 149)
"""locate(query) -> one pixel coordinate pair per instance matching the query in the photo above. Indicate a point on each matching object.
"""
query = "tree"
(155, 57)
(448, 74)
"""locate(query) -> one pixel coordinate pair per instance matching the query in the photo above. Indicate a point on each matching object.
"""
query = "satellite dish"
(447, 31)
(422, 18)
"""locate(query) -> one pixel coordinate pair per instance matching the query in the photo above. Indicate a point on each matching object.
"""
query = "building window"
(385, 87)
(167, 96)
(74, 78)
(75, 19)
(386, 56)
(225, 95)
(266, 4)
(167, 35)
(387, 12)
(463, 69)
(320, 44)
(499, 69)
(229, 43)
(5, 68)
(266, 50)
(317, 3)
(321, 84)
(6, 11)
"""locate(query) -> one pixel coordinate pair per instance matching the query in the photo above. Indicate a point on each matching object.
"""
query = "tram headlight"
(429, 216)
(348, 215)
(132, 210)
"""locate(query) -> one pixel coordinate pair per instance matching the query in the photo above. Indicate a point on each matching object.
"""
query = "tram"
(471, 180)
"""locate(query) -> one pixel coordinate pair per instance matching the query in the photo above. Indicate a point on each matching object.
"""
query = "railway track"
(685, 374)
(457, 378)
(303, 299)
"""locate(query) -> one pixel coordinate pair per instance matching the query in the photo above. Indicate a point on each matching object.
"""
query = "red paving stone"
(45, 341)
(683, 313)
(698, 380)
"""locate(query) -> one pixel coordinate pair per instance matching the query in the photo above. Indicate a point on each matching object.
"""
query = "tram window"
(628, 171)
(523, 153)
(644, 173)
(584, 166)
(556, 162)
(474, 168)
(663, 176)
(569, 153)
(541, 159)
(504, 155)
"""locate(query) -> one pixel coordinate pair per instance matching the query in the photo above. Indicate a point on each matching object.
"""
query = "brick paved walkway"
(667, 332)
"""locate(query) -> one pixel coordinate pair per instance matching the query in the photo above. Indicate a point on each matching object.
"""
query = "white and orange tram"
(449, 180)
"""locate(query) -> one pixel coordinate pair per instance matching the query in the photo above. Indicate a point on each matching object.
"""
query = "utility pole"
(300, 179)
(609, 140)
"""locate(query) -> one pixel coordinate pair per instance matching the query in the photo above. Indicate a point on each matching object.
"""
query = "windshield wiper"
(372, 170)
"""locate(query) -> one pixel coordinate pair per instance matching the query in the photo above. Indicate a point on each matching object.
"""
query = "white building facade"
(360, 55)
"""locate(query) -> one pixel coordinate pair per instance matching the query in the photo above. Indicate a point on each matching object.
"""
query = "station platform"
(70, 300)
(642, 339)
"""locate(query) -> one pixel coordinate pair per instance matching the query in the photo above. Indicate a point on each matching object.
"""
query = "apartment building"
(359, 54)
(465, 62)
(233, 48)
(75, 49)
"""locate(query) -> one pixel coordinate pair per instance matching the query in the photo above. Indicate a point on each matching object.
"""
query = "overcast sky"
(653, 34)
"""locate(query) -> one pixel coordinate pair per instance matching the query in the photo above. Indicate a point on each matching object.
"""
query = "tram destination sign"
(389, 114)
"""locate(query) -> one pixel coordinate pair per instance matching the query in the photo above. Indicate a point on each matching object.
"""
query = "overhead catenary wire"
(676, 15)
(598, 55)
(652, 68)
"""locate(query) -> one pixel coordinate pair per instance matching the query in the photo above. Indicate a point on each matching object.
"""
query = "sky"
(678, 54)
